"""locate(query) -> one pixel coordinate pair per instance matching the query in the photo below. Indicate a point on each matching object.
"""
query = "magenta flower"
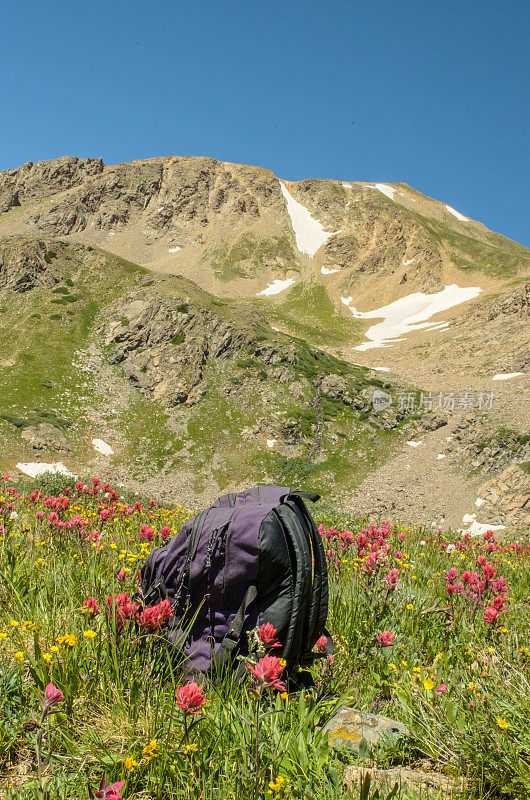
(266, 673)
(190, 698)
(267, 635)
(386, 638)
(110, 792)
(52, 696)
(442, 688)
(321, 644)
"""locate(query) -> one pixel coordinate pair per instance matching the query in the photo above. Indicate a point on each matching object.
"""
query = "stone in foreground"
(348, 727)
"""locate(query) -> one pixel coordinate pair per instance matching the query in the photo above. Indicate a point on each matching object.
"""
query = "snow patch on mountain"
(409, 314)
(36, 469)
(102, 447)
(389, 191)
(505, 376)
(326, 271)
(456, 214)
(309, 232)
(277, 286)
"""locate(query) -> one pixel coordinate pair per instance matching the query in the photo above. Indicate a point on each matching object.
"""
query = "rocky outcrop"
(161, 194)
(26, 264)
(507, 496)
(45, 437)
(163, 342)
(36, 181)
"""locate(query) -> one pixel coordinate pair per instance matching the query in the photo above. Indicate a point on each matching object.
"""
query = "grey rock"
(348, 727)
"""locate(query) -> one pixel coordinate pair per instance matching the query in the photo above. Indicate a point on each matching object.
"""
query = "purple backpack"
(251, 558)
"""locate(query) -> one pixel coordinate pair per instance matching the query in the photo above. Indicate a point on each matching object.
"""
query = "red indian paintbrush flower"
(266, 673)
(190, 698)
(267, 635)
(52, 696)
(110, 792)
(386, 638)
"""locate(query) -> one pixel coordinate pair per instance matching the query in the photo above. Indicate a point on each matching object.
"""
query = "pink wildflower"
(490, 614)
(392, 578)
(154, 617)
(92, 605)
(110, 792)
(52, 696)
(190, 698)
(442, 688)
(267, 635)
(321, 644)
(386, 638)
(266, 673)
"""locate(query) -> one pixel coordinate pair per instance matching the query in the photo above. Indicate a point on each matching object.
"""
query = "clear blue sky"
(430, 93)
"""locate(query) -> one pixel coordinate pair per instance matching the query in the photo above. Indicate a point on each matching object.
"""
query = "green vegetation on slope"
(306, 311)
(248, 256)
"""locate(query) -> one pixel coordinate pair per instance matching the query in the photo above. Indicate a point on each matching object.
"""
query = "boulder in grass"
(348, 727)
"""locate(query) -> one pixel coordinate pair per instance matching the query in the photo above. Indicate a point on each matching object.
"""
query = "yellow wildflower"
(47, 656)
(409, 606)
(14, 623)
(68, 639)
(502, 723)
(54, 648)
(89, 634)
(428, 684)
(130, 764)
(149, 751)
(19, 655)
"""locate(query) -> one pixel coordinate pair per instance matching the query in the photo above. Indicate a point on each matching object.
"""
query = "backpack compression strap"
(232, 637)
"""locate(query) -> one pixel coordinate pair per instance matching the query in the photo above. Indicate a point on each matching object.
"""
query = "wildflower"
(110, 792)
(19, 655)
(442, 688)
(502, 723)
(428, 684)
(321, 644)
(14, 623)
(150, 750)
(68, 639)
(190, 698)
(266, 673)
(189, 748)
(391, 579)
(89, 634)
(284, 695)
(277, 785)
(130, 764)
(410, 606)
(121, 575)
(490, 614)
(91, 606)
(52, 697)
(153, 617)
(54, 648)
(47, 656)
(267, 635)
(386, 638)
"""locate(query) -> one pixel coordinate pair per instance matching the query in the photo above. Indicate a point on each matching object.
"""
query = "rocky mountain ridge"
(181, 287)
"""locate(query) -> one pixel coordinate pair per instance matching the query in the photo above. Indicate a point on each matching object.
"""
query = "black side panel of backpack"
(318, 612)
(275, 578)
(300, 554)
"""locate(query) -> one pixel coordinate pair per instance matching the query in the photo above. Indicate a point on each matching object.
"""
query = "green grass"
(307, 312)
(494, 255)
(119, 714)
(248, 256)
